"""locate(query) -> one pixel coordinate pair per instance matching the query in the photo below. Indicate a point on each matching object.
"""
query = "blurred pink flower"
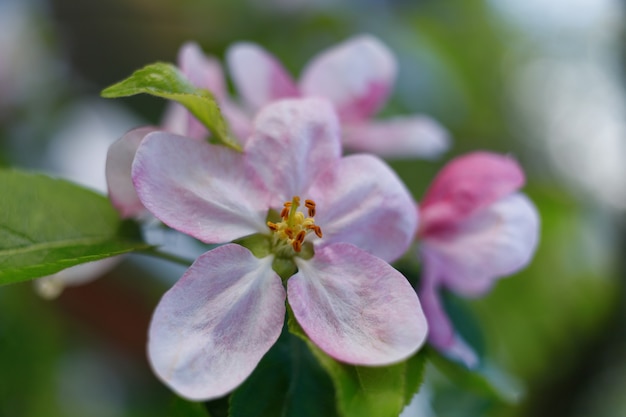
(211, 329)
(474, 229)
(357, 76)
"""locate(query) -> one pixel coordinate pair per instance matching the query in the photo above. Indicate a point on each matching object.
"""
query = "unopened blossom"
(328, 224)
(475, 228)
(357, 76)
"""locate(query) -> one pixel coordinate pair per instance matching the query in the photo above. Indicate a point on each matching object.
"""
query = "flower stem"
(167, 256)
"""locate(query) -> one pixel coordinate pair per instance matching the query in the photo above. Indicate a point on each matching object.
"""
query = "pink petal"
(398, 137)
(212, 328)
(494, 243)
(356, 307)
(118, 172)
(356, 75)
(177, 119)
(466, 185)
(360, 200)
(293, 141)
(441, 332)
(239, 121)
(258, 76)
(203, 71)
(200, 189)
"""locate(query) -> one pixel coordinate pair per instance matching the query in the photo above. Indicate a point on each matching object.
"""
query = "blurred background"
(539, 79)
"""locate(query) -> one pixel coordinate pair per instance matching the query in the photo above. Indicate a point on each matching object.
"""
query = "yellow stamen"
(295, 226)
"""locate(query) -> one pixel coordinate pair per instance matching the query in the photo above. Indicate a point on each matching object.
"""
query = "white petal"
(398, 137)
(212, 328)
(200, 189)
(258, 76)
(51, 286)
(293, 141)
(119, 162)
(360, 200)
(203, 71)
(356, 307)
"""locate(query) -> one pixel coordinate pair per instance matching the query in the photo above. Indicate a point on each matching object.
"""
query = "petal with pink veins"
(293, 140)
(356, 75)
(212, 328)
(493, 243)
(360, 200)
(398, 137)
(119, 162)
(356, 307)
(199, 189)
(258, 76)
(466, 185)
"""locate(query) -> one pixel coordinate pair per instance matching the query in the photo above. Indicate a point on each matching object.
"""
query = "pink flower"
(357, 76)
(474, 229)
(341, 220)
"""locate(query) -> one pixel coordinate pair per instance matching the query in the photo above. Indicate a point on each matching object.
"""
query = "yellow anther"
(310, 204)
(295, 226)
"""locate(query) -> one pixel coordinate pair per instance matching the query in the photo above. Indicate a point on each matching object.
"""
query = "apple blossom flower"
(328, 224)
(357, 77)
(475, 227)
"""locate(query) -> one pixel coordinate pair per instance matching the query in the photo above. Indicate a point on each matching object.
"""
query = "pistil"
(290, 233)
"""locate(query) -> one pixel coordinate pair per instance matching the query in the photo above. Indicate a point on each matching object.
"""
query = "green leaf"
(288, 382)
(486, 381)
(363, 391)
(165, 80)
(48, 224)
(184, 408)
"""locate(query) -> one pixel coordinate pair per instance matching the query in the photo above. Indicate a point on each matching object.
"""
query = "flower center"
(289, 234)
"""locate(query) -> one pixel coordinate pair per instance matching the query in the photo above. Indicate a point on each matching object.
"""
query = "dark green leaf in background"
(184, 408)
(288, 382)
(48, 224)
(166, 81)
(481, 381)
